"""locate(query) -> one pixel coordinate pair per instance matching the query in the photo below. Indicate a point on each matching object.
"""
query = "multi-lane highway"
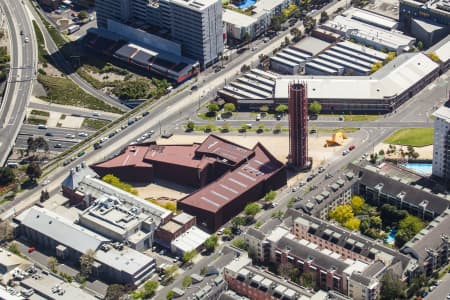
(21, 75)
(75, 111)
(58, 139)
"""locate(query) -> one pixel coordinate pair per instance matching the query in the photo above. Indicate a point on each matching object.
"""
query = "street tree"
(281, 108)
(264, 108)
(115, 292)
(419, 45)
(189, 256)
(227, 231)
(323, 17)
(229, 107)
(252, 209)
(34, 171)
(86, 262)
(357, 204)
(213, 108)
(238, 221)
(187, 281)
(83, 15)
(190, 125)
(170, 295)
(289, 271)
(211, 243)
(52, 264)
(270, 196)
(315, 108)
(7, 176)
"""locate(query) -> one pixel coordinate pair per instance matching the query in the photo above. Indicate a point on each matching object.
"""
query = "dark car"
(194, 88)
(145, 113)
(97, 146)
(81, 154)
(57, 146)
(49, 134)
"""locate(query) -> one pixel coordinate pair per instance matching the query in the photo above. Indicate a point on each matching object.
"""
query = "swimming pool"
(390, 239)
(423, 168)
(245, 3)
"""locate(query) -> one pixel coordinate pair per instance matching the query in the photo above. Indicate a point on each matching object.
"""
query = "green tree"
(270, 196)
(238, 221)
(419, 45)
(264, 108)
(115, 181)
(83, 15)
(323, 17)
(252, 209)
(229, 107)
(357, 204)
(170, 271)
(189, 256)
(392, 287)
(170, 295)
(211, 242)
(7, 176)
(227, 231)
(315, 107)
(34, 171)
(86, 262)
(352, 223)
(150, 288)
(281, 108)
(308, 279)
(391, 215)
(289, 271)
(13, 248)
(226, 127)
(276, 22)
(115, 292)
(434, 57)
(295, 32)
(213, 108)
(342, 214)
(391, 55)
(376, 66)
(52, 264)
(190, 125)
(407, 229)
(240, 243)
(187, 281)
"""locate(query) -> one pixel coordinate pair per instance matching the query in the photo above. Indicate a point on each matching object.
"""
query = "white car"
(103, 139)
(83, 134)
(26, 39)
(70, 136)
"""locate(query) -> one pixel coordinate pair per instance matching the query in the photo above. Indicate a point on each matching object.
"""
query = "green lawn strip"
(361, 117)
(416, 137)
(204, 116)
(333, 130)
(40, 113)
(94, 124)
(42, 53)
(35, 121)
(63, 91)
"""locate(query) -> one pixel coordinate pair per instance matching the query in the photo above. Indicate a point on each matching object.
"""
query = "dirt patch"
(106, 77)
(424, 152)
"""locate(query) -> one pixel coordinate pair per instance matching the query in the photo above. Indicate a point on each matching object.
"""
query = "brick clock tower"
(298, 125)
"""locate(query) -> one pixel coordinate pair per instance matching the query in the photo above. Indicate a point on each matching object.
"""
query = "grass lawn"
(94, 124)
(42, 53)
(34, 121)
(40, 113)
(416, 137)
(333, 130)
(361, 117)
(63, 91)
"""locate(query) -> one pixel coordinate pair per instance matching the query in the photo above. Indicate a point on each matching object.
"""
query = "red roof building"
(228, 176)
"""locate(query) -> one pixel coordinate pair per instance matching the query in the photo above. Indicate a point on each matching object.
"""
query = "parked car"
(351, 147)
(48, 134)
(345, 152)
(31, 249)
(57, 146)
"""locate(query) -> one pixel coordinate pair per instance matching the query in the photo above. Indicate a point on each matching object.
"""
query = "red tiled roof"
(132, 156)
(224, 190)
(213, 145)
(183, 155)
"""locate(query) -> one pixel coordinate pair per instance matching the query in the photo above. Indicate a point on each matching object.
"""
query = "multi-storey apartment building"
(195, 24)
(441, 144)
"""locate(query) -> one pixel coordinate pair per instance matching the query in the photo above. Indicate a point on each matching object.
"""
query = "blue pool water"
(246, 3)
(391, 236)
(424, 168)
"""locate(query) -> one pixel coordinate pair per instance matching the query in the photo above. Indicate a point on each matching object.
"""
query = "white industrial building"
(371, 18)
(370, 35)
(289, 61)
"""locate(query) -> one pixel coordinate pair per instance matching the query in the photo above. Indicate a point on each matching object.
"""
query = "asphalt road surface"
(21, 75)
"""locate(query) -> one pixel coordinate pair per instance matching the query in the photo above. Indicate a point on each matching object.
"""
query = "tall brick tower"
(298, 125)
